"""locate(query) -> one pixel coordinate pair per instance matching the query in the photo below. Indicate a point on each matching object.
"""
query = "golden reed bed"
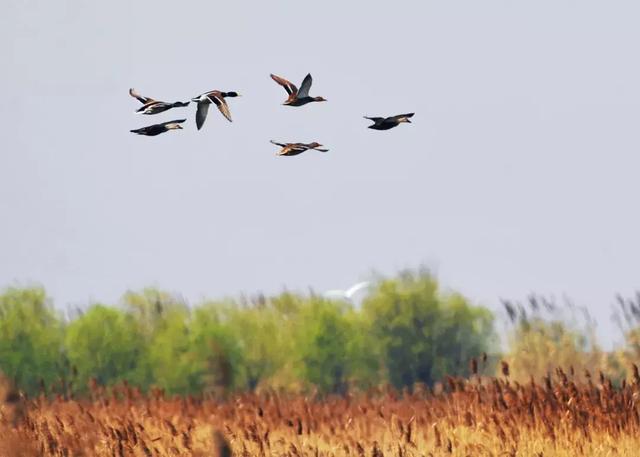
(465, 417)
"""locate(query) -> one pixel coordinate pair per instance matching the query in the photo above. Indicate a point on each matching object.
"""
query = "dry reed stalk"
(559, 416)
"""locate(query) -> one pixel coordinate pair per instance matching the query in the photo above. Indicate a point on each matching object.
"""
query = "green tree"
(260, 333)
(162, 322)
(149, 308)
(216, 351)
(322, 344)
(422, 334)
(104, 343)
(31, 338)
(170, 360)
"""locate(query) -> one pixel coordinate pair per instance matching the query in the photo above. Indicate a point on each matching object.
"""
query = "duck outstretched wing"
(201, 114)
(401, 116)
(140, 98)
(218, 100)
(305, 86)
(288, 85)
(176, 121)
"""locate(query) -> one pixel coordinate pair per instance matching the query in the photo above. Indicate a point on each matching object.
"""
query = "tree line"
(405, 331)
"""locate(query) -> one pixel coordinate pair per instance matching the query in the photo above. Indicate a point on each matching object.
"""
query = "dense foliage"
(405, 331)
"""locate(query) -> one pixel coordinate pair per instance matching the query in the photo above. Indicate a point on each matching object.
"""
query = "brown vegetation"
(465, 417)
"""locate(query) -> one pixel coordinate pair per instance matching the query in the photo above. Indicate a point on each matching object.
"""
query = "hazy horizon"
(517, 175)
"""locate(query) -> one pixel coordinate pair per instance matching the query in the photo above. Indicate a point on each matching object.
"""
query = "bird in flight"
(157, 129)
(151, 106)
(217, 98)
(386, 123)
(293, 149)
(346, 295)
(297, 97)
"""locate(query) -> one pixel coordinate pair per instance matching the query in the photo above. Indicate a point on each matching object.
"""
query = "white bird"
(348, 294)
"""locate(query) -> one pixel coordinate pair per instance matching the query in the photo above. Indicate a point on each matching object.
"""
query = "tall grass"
(557, 415)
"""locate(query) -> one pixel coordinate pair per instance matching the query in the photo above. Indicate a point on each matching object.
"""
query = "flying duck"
(151, 106)
(297, 97)
(216, 97)
(386, 123)
(157, 129)
(293, 149)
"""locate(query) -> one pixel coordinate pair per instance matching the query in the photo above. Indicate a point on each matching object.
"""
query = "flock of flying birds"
(296, 97)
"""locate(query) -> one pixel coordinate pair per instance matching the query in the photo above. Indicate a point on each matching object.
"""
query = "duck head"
(231, 94)
(319, 99)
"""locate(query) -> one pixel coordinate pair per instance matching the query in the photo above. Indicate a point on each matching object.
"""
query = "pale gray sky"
(519, 173)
